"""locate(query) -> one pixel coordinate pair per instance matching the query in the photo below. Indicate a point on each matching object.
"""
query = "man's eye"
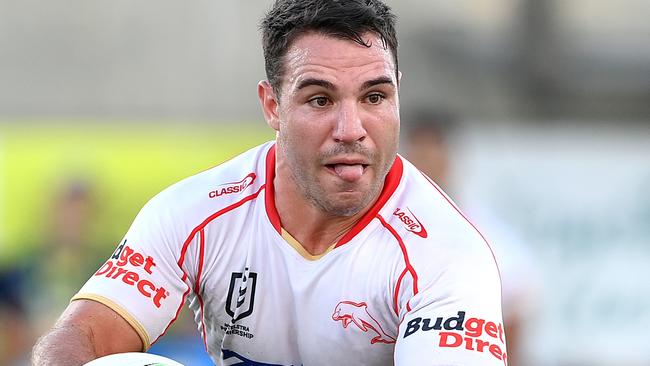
(375, 98)
(319, 101)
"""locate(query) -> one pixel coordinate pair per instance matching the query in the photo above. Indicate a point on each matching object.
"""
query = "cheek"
(385, 130)
(308, 129)
(296, 136)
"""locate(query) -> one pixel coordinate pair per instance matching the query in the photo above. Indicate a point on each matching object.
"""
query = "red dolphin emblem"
(357, 313)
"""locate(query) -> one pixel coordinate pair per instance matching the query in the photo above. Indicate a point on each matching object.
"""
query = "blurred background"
(533, 114)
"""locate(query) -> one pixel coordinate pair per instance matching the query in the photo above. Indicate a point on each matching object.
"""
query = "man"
(322, 248)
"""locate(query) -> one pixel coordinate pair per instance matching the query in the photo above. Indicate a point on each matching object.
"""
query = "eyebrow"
(327, 85)
(316, 82)
(378, 81)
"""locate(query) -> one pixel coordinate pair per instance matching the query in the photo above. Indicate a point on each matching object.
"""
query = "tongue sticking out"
(349, 173)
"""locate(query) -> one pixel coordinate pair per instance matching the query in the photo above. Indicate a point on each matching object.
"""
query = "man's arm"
(453, 316)
(86, 330)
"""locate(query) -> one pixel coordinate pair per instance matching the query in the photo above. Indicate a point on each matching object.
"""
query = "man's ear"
(269, 104)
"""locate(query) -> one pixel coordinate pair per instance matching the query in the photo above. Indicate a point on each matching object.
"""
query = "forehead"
(316, 55)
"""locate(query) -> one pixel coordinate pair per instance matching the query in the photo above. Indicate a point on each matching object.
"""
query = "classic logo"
(349, 312)
(126, 257)
(456, 332)
(241, 294)
(234, 187)
(412, 224)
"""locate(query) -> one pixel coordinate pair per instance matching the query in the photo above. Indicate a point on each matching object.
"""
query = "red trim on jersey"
(186, 245)
(408, 267)
(197, 286)
(468, 221)
(269, 200)
(390, 185)
(212, 217)
(178, 311)
(397, 287)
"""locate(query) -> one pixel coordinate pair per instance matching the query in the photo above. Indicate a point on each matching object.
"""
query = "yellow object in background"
(121, 164)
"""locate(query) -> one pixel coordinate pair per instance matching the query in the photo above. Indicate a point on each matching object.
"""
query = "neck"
(313, 228)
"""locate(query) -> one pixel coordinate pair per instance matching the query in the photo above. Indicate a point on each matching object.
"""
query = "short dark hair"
(346, 19)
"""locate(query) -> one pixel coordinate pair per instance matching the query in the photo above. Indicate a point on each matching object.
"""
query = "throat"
(314, 253)
(316, 228)
(318, 237)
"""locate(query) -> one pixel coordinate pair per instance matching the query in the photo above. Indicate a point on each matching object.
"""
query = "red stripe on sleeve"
(197, 286)
(185, 247)
(212, 217)
(399, 282)
(178, 310)
(407, 263)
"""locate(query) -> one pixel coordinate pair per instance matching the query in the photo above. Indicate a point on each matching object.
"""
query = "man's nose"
(349, 125)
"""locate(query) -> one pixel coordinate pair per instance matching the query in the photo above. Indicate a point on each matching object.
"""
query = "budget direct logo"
(122, 266)
(472, 334)
(411, 222)
(234, 187)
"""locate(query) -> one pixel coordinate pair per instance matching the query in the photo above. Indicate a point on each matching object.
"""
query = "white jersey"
(413, 283)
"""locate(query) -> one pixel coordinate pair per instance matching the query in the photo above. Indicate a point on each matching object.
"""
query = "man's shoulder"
(218, 186)
(424, 213)
(437, 240)
(421, 197)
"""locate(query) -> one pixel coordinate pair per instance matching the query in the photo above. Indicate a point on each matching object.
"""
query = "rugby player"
(323, 247)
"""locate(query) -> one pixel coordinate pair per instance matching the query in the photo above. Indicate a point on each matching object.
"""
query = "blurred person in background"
(35, 292)
(67, 254)
(65, 259)
(303, 250)
(426, 145)
(15, 336)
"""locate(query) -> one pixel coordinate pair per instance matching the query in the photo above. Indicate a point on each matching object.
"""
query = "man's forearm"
(64, 346)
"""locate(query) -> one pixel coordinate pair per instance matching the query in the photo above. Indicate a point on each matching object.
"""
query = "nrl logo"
(241, 294)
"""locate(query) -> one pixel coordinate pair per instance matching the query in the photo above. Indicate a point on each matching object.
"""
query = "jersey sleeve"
(450, 310)
(142, 280)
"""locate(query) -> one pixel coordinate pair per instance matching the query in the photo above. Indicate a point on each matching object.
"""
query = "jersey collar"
(390, 185)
